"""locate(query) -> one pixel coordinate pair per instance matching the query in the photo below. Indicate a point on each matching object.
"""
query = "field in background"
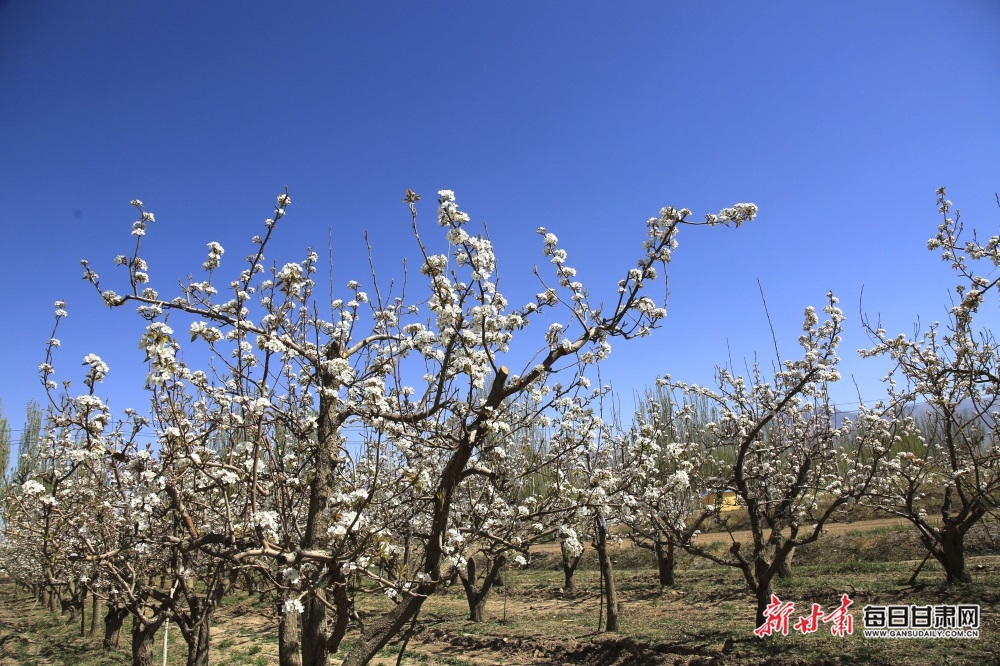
(705, 619)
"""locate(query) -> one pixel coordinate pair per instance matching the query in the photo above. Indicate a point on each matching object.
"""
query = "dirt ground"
(706, 619)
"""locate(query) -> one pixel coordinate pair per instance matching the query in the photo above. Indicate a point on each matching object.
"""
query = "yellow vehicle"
(729, 502)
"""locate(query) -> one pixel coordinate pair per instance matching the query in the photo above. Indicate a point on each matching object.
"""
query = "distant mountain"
(919, 411)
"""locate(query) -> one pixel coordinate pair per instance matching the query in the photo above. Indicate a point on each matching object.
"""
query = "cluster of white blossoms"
(200, 329)
(32, 487)
(290, 278)
(139, 226)
(558, 259)
(215, 252)
(97, 371)
(569, 541)
(161, 352)
(448, 213)
(738, 214)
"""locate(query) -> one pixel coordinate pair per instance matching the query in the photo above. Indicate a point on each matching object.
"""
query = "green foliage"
(687, 418)
(27, 451)
(28, 445)
(4, 452)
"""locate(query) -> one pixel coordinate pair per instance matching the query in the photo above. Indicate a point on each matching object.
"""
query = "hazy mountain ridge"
(922, 410)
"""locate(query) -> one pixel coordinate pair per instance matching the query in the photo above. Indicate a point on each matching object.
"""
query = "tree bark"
(314, 631)
(763, 595)
(198, 633)
(665, 562)
(143, 642)
(952, 553)
(380, 631)
(289, 631)
(477, 596)
(785, 568)
(608, 578)
(785, 564)
(95, 612)
(760, 581)
(113, 621)
(326, 459)
(569, 565)
(342, 602)
(70, 607)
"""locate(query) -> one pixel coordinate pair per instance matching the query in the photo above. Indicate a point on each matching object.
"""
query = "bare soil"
(707, 618)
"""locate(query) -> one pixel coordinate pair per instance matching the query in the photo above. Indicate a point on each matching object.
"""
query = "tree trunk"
(289, 631)
(199, 632)
(342, 602)
(378, 632)
(952, 553)
(113, 621)
(784, 565)
(476, 609)
(665, 562)
(759, 579)
(569, 565)
(70, 608)
(608, 578)
(763, 595)
(785, 568)
(143, 642)
(477, 596)
(326, 459)
(95, 612)
(314, 631)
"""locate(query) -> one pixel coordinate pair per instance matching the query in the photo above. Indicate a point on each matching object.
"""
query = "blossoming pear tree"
(253, 469)
(954, 370)
(513, 499)
(775, 444)
(658, 489)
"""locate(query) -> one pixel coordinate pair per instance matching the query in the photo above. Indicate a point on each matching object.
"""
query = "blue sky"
(838, 119)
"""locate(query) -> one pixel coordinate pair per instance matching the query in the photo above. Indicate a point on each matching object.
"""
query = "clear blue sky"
(838, 119)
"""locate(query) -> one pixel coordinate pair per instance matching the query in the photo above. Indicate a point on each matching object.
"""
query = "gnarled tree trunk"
(665, 562)
(198, 633)
(113, 621)
(477, 596)
(951, 553)
(342, 602)
(144, 641)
